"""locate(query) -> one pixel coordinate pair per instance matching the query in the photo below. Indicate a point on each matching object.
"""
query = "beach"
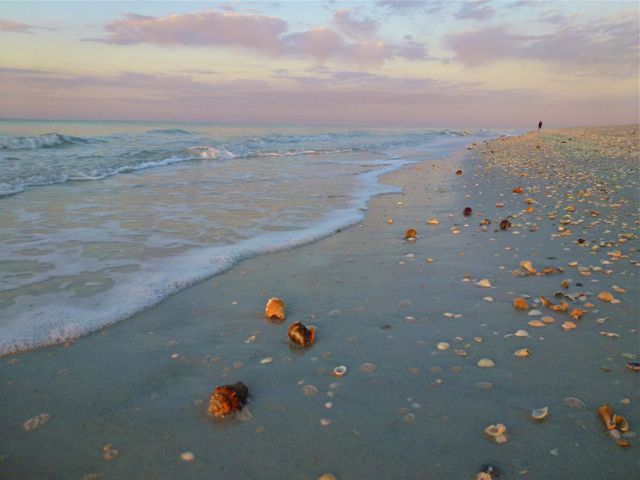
(410, 320)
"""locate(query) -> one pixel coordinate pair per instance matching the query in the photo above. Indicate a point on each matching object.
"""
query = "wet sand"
(128, 401)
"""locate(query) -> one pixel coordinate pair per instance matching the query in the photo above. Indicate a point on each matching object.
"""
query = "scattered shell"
(486, 363)
(522, 352)
(605, 296)
(301, 335)
(521, 333)
(368, 367)
(467, 211)
(310, 390)
(537, 323)
(228, 399)
(520, 303)
(540, 413)
(573, 402)
(478, 339)
(528, 267)
(517, 190)
(491, 470)
(266, 360)
(390, 221)
(187, 457)
(488, 299)
(484, 283)
(339, 371)
(505, 224)
(566, 326)
(618, 289)
(36, 422)
(325, 422)
(497, 432)
(410, 234)
(433, 221)
(442, 345)
(633, 366)
(275, 308)
(328, 476)
(458, 172)
(548, 320)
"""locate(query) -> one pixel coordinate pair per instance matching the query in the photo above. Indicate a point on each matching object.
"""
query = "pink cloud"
(612, 43)
(264, 34)
(11, 26)
(211, 27)
(354, 28)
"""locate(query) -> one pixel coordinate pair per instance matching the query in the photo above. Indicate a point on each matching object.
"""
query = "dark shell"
(467, 211)
(505, 225)
(458, 172)
(227, 399)
(633, 366)
(300, 334)
(491, 470)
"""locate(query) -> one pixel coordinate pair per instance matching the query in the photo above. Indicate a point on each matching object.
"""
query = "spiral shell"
(227, 399)
(300, 334)
(410, 234)
(275, 308)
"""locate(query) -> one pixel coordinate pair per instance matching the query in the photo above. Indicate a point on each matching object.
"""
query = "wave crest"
(47, 140)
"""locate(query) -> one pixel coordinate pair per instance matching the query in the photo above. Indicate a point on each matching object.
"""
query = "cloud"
(612, 43)
(210, 27)
(478, 10)
(352, 27)
(11, 26)
(408, 7)
(355, 42)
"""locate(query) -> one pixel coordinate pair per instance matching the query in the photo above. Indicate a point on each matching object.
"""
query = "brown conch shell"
(275, 308)
(410, 234)
(505, 224)
(228, 399)
(300, 334)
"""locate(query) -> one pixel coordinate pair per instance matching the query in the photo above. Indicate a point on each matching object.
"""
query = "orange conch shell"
(228, 399)
(301, 335)
(410, 234)
(275, 308)
(606, 414)
(520, 303)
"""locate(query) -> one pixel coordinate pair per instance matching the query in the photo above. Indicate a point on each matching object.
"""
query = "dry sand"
(130, 402)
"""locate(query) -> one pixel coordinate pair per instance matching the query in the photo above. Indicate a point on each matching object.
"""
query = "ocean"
(100, 220)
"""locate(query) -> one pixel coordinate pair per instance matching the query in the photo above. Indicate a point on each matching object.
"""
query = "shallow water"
(109, 218)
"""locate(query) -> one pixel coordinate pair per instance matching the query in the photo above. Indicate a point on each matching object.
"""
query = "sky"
(379, 62)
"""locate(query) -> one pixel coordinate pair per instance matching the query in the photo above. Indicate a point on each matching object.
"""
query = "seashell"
(275, 308)
(540, 413)
(606, 414)
(442, 345)
(522, 352)
(300, 334)
(517, 190)
(618, 289)
(520, 303)
(528, 266)
(624, 443)
(328, 476)
(410, 234)
(505, 225)
(483, 476)
(537, 323)
(467, 211)
(497, 433)
(620, 423)
(36, 422)
(458, 172)
(486, 221)
(390, 221)
(577, 314)
(228, 399)
(339, 371)
(633, 366)
(605, 296)
(521, 333)
(574, 402)
(368, 367)
(433, 221)
(548, 320)
(545, 302)
(486, 363)
(484, 283)
(566, 326)
(499, 204)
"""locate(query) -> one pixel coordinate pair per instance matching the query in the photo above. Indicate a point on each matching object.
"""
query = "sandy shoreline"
(141, 386)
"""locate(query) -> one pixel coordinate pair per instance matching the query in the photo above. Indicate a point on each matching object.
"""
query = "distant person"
(539, 124)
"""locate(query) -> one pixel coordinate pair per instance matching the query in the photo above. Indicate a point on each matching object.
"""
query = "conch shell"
(301, 335)
(228, 399)
(275, 308)
(410, 234)
(611, 421)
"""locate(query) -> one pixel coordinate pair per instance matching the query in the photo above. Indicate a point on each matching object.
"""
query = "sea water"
(100, 220)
